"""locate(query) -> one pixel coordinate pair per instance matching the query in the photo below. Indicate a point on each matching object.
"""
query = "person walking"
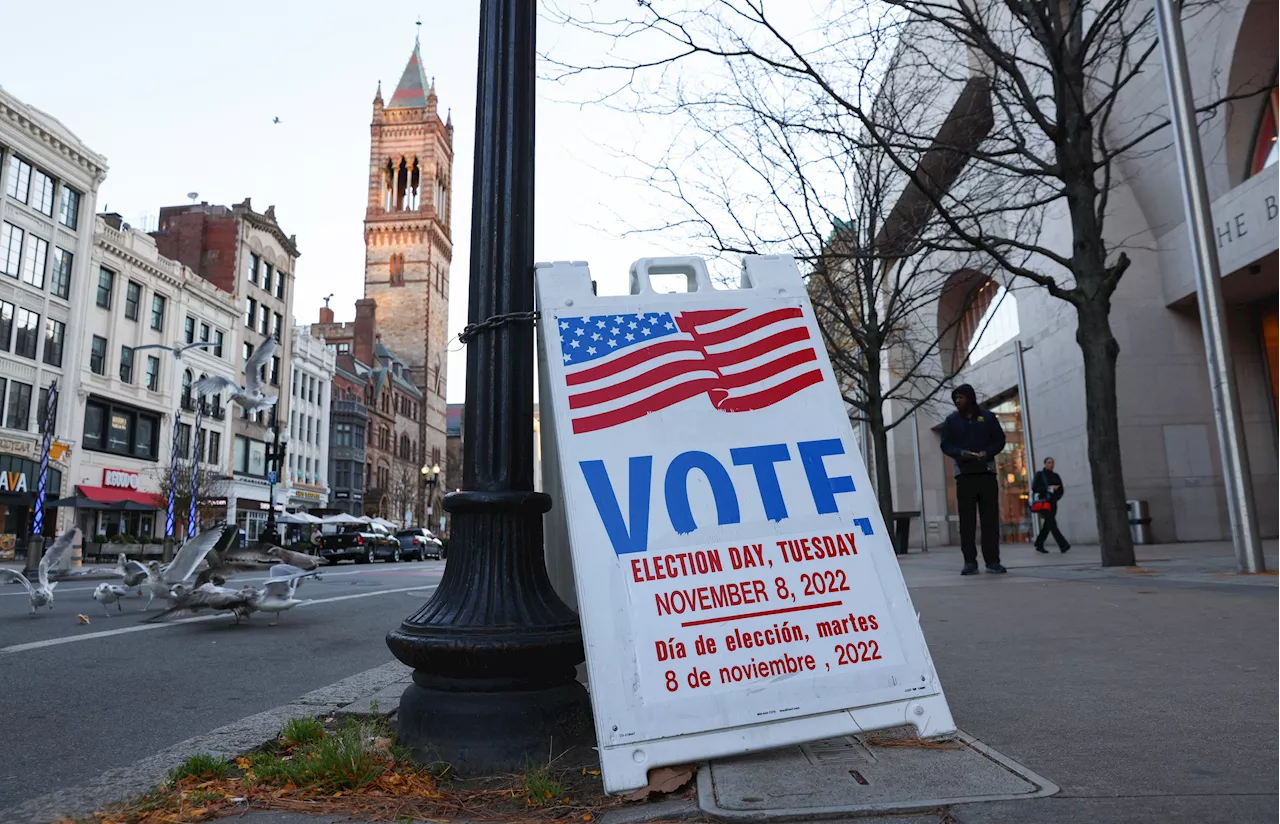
(1047, 486)
(972, 437)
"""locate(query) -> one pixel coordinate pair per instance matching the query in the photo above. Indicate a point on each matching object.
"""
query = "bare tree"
(211, 504)
(402, 491)
(1014, 111)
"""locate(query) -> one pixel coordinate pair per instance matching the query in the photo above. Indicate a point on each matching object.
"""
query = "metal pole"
(494, 650)
(1222, 386)
(915, 440)
(195, 468)
(1027, 447)
(173, 474)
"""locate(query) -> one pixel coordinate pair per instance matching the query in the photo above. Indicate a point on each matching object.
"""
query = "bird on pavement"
(163, 580)
(301, 560)
(178, 350)
(41, 593)
(239, 602)
(277, 593)
(249, 397)
(110, 594)
(134, 573)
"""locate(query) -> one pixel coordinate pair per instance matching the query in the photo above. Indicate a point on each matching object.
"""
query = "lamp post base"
(35, 551)
(494, 650)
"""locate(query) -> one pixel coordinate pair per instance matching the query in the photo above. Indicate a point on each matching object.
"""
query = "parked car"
(419, 544)
(362, 543)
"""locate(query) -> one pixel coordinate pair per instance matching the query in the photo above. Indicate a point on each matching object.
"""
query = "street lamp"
(276, 450)
(494, 651)
(430, 477)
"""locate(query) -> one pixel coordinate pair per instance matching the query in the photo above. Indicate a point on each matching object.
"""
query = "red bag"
(1041, 505)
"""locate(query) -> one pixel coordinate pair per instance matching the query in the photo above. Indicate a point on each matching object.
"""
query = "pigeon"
(210, 597)
(110, 594)
(249, 397)
(162, 580)
(177, 350)
(41, 594)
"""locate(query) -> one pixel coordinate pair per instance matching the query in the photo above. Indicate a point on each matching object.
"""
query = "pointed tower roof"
(411, 93)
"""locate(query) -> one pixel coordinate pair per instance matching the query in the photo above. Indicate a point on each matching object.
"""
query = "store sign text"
(119, 479)
(13, 482)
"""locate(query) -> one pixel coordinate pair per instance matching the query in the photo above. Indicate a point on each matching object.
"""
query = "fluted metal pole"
(494, 651)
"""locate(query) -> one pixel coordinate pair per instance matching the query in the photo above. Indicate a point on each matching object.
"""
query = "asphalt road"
(76, 700)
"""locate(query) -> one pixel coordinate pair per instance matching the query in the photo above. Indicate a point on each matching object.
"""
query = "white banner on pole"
(737, 586)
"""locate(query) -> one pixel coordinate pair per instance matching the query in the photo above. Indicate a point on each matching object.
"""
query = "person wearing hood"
(972, 437)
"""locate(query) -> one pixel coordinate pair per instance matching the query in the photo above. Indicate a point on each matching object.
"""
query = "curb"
(353, 694)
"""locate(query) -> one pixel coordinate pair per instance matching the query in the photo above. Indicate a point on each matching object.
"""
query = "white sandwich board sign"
(737, 586)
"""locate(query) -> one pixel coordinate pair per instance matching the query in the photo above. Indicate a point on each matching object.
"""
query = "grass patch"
(298, 732)
(201, 767)
(350, 758)
(540, 787)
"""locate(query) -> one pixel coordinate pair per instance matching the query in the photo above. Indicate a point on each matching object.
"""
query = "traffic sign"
(271, 477)
(737, 586)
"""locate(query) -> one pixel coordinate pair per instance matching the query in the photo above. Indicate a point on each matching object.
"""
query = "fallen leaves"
(664, 780)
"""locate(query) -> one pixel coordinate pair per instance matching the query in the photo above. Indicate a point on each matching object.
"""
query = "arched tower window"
(396, 265)
(1264, 141)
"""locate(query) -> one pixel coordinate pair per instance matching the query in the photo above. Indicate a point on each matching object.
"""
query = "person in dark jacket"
(972, 437)
(1046, 485)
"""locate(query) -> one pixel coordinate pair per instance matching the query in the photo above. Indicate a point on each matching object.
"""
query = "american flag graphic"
(622, 367)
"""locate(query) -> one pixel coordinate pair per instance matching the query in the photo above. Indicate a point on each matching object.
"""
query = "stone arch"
(1253, 67)
(976, 314)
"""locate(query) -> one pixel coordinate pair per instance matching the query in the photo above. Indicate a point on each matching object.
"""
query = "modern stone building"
(1168, 431)
(51, 182)
(408, 241)
(248, 256)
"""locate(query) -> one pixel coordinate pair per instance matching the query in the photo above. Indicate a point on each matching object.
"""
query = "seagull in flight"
(249, 397)
(275, 120)
(41, 593)
(177, 350)
(277, 593)
(165, 581)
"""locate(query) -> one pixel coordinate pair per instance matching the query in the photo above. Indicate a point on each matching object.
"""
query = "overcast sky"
(180, 98)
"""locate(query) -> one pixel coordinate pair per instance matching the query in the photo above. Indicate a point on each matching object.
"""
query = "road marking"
(107, 633)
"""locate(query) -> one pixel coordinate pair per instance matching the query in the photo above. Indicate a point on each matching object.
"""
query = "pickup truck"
(362, 543)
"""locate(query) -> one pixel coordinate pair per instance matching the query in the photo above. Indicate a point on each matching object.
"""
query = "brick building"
(408, 246)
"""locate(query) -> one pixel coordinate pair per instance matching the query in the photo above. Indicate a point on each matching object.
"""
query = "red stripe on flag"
(760, 347)
(746, 327)
(759, 400)
(604, 370)
(765, 371)
(653, 403)
(642, 381)
(701, 316)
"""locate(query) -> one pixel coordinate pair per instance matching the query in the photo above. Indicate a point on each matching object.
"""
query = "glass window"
(248, 352)
(106, 282)
(275, 371)
(60, 285)
(42, 409)
(188, 401)
(55, 332)
(189, 330)
(217, 343)
(157, 312)
(10, 249)
(144, 437)
(254, 263)
(276, 327)
(18, 410)
(24, 342)
(240, 458)
(257, 458)
(126, 364)
(280, 285)
(264, 328)
(344, 348)
(119, 431)
(34, 260)
(69, 208)
(215, 448)
(204, 332)
(153, 373)
(266, 278)
(94, 417)
(184, 439)
(6, 324)
(250, 313)
(98, 356)
(18, 184)
(42, 192)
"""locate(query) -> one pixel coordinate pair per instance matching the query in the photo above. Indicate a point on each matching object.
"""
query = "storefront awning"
(124, 499)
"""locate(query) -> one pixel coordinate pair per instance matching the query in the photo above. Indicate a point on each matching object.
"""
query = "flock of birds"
(186, 586)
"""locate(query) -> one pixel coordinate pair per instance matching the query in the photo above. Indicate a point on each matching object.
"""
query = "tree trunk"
(1102, 425)
(880, 459)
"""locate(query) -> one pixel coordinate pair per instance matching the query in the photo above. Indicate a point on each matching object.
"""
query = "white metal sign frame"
(737, 586)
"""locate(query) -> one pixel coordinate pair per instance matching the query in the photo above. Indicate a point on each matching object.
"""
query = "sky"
(180, 98)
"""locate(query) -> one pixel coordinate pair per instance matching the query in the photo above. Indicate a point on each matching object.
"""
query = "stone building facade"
(307, 464)
(408, 240)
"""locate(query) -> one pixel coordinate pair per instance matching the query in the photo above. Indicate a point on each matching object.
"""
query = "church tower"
(408, 243)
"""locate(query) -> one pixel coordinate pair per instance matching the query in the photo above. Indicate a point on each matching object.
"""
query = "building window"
(120, 429)
(344, 349)
(250, 313)
(18, 184)
(1264, 143)
(217, 343)
(275, 371)
(6, 324)
(184, 439)
(55, 332)
(264, 328)
(215, 448)
(10, 249)
(98, 356)
(277, 326)
(189, 330)
(342, 434)
(106, 282)
(24, 342)
(397, 270)
(126, 364)
(153, 373)
(342, 475)
(266, 279)
(60, 285)
(188, 401)
(34, 260)
(42, 409)
(157, 312)
(69, 208)
(248, 352)
(254, 263)
(42, 192)
(18, 411)
(280, 285)
(250, 457)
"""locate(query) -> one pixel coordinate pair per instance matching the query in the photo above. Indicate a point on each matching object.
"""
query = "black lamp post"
(275, 460)
(494, 650)
(430, 477)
